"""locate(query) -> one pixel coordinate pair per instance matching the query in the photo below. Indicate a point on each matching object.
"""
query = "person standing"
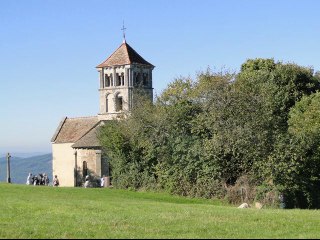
(36, 180)
(46, 179)
(55, 181)
(29, 179)
(40, 177)
(102, 181)
(87, 182)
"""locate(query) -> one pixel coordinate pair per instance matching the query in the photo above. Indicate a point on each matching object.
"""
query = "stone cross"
(8, 168)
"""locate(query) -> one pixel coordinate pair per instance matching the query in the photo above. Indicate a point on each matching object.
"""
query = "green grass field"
(47, 212)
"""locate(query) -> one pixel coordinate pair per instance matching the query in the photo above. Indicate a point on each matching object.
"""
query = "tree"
(203, 134)
(295, 161)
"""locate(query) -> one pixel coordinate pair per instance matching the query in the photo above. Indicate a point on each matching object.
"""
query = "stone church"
(76, 150)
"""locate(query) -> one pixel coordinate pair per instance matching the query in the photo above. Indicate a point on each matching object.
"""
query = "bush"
(242, 191)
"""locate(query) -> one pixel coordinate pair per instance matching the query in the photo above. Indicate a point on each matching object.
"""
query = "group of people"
(89, 183)
(41, 179)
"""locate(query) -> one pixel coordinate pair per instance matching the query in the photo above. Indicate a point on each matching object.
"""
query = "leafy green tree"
(258, 64)
(295, 162)
(304, 121)
(304, 127)
(205, 134)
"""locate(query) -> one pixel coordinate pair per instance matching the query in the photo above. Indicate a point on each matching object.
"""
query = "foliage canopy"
(244, 136)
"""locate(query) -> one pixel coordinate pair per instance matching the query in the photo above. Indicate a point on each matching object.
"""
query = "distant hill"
(21, 167)
(23, 154)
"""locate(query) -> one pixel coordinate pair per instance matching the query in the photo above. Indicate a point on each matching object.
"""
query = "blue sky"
(49, 50)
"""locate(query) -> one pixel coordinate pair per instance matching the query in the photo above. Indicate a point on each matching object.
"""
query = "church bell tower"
(121, 74)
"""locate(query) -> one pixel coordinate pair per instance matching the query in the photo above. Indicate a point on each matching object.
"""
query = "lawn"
(47, 212)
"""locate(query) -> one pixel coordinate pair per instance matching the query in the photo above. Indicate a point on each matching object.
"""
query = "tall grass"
(47, 212)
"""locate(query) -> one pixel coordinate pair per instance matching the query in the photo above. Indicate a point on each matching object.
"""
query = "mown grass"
(47, 212)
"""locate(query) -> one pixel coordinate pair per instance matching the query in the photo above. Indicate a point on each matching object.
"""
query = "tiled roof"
(71, 130)
(89, 140)
(122, 56)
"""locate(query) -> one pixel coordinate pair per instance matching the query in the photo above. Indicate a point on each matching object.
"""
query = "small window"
(134, 78)
(107, 80)
(107, 105)
(145, 79)
(138, 79)
(118, 80)
(119, 104)
(84, 169)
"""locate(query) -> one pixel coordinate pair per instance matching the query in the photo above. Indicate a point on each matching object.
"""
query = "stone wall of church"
(63, 162)
(92, 158)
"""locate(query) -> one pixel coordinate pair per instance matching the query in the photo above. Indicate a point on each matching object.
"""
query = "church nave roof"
(71, 130)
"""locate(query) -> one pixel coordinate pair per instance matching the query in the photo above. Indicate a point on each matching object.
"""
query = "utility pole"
(8, 168)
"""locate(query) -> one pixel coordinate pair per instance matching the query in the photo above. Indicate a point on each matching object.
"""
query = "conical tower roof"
(124, 55)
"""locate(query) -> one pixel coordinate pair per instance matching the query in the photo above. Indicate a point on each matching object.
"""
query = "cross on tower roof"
(124, 33)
